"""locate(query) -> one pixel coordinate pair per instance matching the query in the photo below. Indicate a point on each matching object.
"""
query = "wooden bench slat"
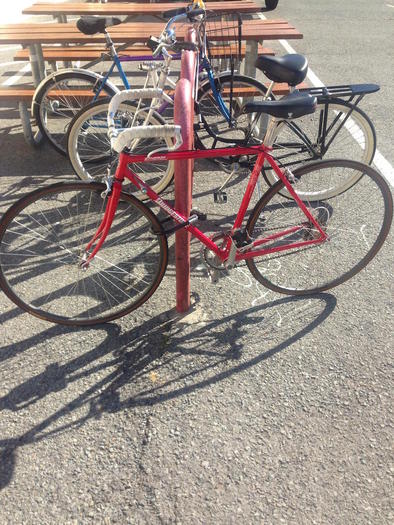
(26, 93)
(89, 52)
(56, 26)
(72, 38)
(131, 8)
(136, 32)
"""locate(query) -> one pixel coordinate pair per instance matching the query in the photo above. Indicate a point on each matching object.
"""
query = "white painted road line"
(7, 64)
(14, 79)
(3, 49)
(380, 162)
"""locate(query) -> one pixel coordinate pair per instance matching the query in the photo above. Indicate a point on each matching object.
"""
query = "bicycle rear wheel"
(357, 223)
(59, 97)
(43, 237)
(302, 140)
(89, 148)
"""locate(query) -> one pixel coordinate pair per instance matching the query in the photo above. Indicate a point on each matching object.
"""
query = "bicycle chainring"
(209, 257)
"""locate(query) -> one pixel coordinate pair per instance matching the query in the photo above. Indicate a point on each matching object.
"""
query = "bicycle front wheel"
(59, 97)
(89, 148)
(214, 130)
(43, 237)
(338, 130)
(357, 223)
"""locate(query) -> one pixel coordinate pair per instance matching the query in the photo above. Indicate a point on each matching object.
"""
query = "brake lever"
(178, 144)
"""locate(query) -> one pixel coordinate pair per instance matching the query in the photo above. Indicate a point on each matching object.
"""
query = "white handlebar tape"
(121, 138)
(131, 94)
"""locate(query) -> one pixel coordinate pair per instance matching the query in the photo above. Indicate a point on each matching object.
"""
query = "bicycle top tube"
(235, 151)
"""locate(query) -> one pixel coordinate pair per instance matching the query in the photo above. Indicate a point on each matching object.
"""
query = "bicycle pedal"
(220, 197)
(213, 275)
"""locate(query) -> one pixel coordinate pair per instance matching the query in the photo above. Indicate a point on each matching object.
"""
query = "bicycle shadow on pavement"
(166, 357)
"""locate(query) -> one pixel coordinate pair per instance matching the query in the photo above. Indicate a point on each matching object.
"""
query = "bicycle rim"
(43, 237)
(60, 99)
(89, 148)
(299, 141)
(357, 222)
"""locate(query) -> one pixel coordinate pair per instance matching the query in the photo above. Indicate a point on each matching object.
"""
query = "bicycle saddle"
(291, 69)
(293, 105)
(90, 25)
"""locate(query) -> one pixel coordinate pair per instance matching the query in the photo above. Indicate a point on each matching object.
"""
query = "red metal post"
(184, 116)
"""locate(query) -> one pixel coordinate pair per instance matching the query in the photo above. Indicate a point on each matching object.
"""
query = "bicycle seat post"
(273, 128)
(109, 44)
(269, 90)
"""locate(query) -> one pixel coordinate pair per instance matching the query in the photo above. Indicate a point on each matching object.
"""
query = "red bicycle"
(82, 253)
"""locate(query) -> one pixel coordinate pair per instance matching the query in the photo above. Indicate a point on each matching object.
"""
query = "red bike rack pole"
(184, 116)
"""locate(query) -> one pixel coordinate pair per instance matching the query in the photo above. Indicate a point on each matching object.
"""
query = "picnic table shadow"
(134, 357)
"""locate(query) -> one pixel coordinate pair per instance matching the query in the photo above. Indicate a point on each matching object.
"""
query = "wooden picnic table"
(35, 35)
(61, 10)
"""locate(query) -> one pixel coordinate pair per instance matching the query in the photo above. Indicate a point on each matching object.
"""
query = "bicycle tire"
(54, 115)
(361, 229)
(356, 140)
(213, 127)
(89, 148)
(42, 239)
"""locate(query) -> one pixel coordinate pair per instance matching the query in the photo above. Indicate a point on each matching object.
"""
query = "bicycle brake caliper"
(290, 176)
(108, 182)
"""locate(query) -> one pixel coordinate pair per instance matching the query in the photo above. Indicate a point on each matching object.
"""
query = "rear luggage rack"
(326, 92)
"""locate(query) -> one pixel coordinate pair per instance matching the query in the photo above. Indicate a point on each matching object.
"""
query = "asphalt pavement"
(253, 408)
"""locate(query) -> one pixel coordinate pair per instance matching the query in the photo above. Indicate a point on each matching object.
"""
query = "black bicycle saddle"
(90, 25)
(291, 69)
(294, 105)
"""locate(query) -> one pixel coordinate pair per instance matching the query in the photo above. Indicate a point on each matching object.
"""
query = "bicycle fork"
(113, 190)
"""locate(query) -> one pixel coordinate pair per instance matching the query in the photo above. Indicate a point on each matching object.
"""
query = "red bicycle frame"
(237, 254)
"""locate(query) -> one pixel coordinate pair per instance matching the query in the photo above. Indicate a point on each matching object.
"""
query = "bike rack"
(184, 116)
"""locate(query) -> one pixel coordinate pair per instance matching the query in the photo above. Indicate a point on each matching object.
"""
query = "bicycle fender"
(49, 78)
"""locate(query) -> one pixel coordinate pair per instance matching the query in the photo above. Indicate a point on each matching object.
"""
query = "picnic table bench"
(91, 52)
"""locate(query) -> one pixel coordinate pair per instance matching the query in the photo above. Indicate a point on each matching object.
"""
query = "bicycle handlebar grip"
(122, 138)
(153, 43)
(130, 94)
